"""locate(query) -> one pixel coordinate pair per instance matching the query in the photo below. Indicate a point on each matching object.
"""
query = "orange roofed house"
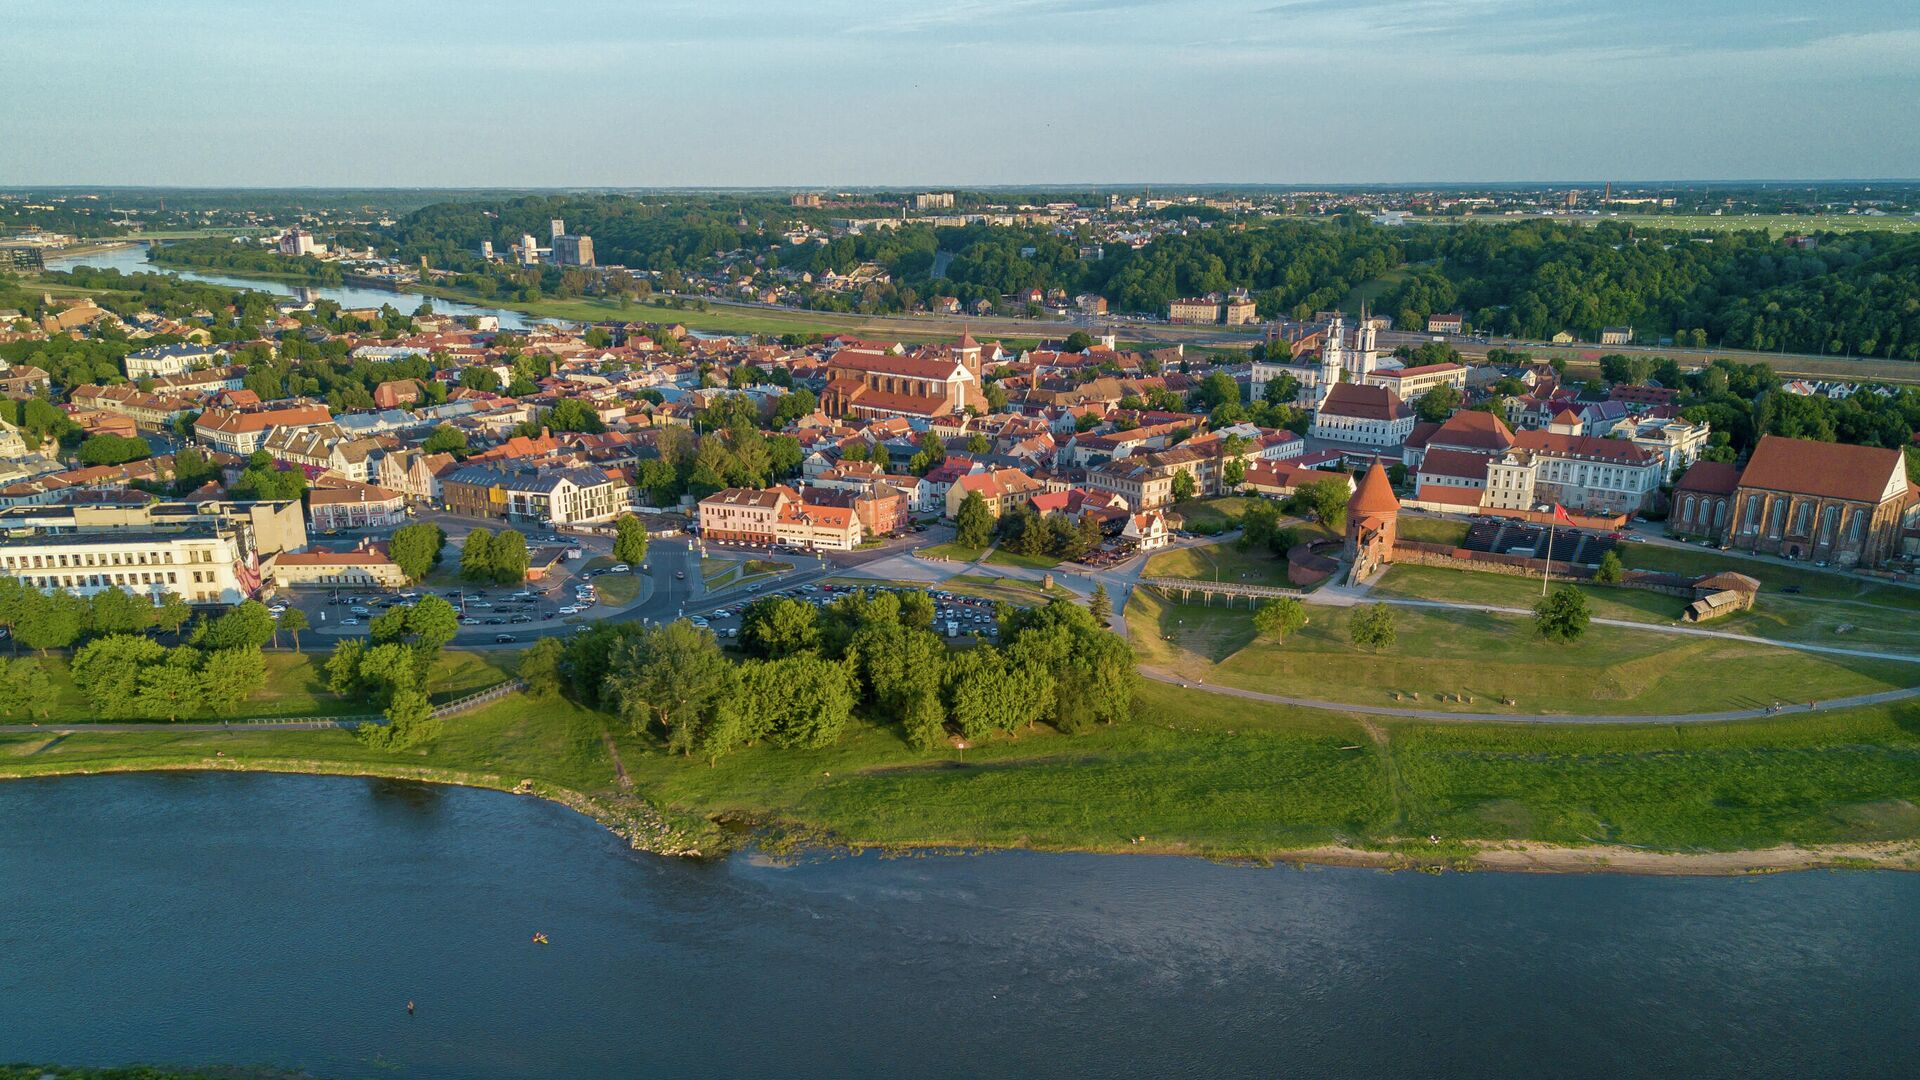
(778, 515)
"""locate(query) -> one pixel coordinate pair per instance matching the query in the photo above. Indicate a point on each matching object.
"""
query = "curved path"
(1854, 702)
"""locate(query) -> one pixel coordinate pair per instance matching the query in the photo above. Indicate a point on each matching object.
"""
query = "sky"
(944, 93)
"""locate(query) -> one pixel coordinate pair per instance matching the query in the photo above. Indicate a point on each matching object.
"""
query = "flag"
(1560, 514)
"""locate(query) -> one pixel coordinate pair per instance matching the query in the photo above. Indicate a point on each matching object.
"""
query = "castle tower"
(1373, 524)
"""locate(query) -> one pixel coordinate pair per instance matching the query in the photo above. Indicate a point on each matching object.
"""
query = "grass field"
(296, 686)
(952, 550)
(1003, 557)
(1484, 662)
(1220, 562)
(1426, 530)
(1193, 773)
(1213, 515)
(1777, 224)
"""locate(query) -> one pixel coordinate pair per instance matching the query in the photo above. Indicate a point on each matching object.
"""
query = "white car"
(619, 568)
(569, 610)
(699, 622)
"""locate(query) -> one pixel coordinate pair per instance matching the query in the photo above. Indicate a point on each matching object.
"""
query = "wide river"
(199, 918)
(133, 260)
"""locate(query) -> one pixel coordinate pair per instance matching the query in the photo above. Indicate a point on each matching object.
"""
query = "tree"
(247, 625)
(446, 439)
(1610, 570)
(343, 666)
(107, 671)
(171, 688)
(1100, 606)
(1234, 474)
(117, 611)
(1326, 500)
(1079, 341)
(776, 626)
(1278, 618)
(807, 701)
(977, 444)
(916, 610)
(29, 688)
(974, 521)
(476, 556)
(172, 613)
(1372, 626)
(415, 549)
(292, 620)
(629, 540)
(1437, 404)
(230, 676)
(1182, 486)
(672, 674)
(540, 666)
(508, 556)
(1562, 615)
(113, 450)
(480, 377)
(1282, 390)
(49, 620)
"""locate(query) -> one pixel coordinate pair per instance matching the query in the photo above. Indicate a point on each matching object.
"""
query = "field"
(1193, 773)
(1427, 530)
(952, 550)
(1485, 662)
(1213, 515)
(1003, 557)
(296, 686)
(1777, 224)
(1220, 562)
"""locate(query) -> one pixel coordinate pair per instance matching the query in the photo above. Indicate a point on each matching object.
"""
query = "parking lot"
(507, 610)
(954, 616)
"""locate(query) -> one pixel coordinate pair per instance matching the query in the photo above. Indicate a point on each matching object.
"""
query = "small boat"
(539, 939)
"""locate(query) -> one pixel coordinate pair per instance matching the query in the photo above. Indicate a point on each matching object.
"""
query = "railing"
(483, 697)
(1224, 588)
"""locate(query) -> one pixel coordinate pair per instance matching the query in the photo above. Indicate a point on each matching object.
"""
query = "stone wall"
(1487, 562)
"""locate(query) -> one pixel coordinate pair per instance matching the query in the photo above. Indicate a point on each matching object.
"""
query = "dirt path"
(619, 767)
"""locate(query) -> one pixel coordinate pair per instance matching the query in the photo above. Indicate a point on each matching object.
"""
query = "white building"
(207, 554)
(1370, 416)
(165, 360)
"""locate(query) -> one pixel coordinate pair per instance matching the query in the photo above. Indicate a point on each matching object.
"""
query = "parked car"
(619, 568)
(569, 610)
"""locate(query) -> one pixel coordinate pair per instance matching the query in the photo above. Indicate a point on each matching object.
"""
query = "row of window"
(160, 557)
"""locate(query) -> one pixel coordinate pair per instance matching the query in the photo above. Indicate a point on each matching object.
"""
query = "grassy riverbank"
(1195, 774)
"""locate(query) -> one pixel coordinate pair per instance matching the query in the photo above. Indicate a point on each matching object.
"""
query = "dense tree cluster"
(810, 673)
(1855, 293)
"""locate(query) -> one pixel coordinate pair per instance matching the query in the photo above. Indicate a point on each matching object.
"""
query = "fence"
(483, 697)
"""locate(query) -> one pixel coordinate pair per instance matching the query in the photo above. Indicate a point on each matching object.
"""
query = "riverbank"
(1194, 776)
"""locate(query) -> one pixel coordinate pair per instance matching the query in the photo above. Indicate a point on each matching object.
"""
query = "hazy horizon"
(968, 93)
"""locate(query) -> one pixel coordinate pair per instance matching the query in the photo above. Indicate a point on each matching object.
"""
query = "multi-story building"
(23, 381)
(554, 496)
(1677, 441)
(571, 250)
(242, 433)
(164, 360)
(1239, 310)
(742, 514)
(1001, 489)
(153, 412)
(366, 566)
(333, 505)
(207, 553)
(1365, 415)
(1410, 383)
(1194, 309)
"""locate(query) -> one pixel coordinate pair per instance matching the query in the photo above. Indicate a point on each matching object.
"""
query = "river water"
(200, 918)
(133, 260)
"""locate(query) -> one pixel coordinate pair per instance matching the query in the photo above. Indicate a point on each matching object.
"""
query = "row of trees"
(391, 667)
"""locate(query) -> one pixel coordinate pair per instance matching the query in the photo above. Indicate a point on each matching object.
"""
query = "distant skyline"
(826, 93)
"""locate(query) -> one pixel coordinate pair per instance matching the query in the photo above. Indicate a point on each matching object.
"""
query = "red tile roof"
(1833, 470)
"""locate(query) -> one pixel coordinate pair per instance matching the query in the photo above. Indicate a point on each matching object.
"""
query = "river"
(133, 260)
(199, 918)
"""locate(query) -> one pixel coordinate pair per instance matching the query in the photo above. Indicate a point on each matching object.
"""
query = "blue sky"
(954, 92)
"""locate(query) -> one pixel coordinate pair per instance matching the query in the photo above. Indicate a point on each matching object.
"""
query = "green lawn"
(952, 550)
(1426, 530)
(1220, 562)
(1214, 515)
(1192, 773)
(714, 571)
(1773, 577)
(1503, 590)
(1475, 661)
(1003, 557)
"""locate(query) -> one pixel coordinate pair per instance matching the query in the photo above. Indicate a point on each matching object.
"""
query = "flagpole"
(1546, 565)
